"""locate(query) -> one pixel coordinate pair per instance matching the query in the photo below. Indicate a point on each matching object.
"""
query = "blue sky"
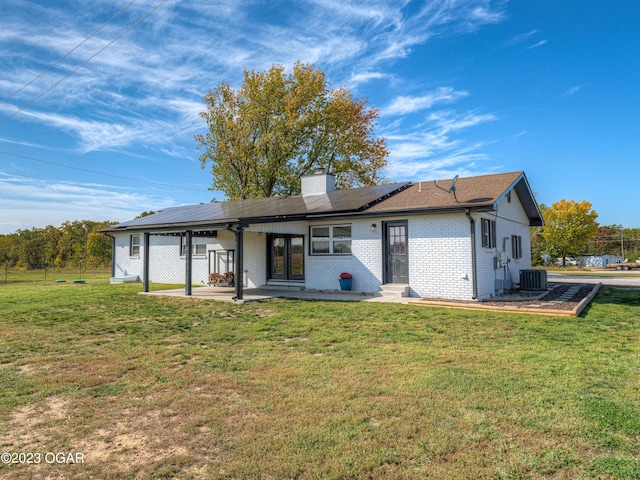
(464, 87)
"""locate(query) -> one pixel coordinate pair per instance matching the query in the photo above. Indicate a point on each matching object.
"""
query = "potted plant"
(345, 281)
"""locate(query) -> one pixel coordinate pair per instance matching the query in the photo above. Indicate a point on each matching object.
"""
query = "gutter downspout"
(113, 253)
(474, 273)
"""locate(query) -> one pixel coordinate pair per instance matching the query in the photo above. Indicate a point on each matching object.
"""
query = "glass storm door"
(396, 253)
(296, 258)
(286, 257)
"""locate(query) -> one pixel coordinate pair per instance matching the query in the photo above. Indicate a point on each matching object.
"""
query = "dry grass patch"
(150, 387)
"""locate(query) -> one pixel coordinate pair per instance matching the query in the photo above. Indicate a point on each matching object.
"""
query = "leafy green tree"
(616, 240)
(569, 225)
(7, 249)
(606, 241)
(146, 214)
(73, 243)
(277, 127)
(30, 248)
(51, 236)
(538, 245)
(99, 252)
(632, 243)
(76, 243)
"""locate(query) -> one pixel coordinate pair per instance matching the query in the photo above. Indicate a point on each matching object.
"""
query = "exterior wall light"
(374, 227)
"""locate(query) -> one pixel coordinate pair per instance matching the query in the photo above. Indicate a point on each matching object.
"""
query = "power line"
(67, 54)
(24, 107)
(48, 162)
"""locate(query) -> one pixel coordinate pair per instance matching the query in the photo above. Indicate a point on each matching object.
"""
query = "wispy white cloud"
(526, 38)
(25, 143)
(142, 95)
(572, 90)
(403, 105)
(35, 202)
(483, 15)
(123, 131)
(364, 77)
(450, 121)
(156, 75)
(434, 149)
(537, 44)
(523, 37)
(448, 166)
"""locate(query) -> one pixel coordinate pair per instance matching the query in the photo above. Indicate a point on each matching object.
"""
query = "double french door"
(286, 257)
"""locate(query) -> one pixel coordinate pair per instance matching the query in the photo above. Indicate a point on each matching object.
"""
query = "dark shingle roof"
(475, 193)
(263, 209)
(481, 192)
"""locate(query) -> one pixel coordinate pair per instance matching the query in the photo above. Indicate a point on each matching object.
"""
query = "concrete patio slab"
(227, 294)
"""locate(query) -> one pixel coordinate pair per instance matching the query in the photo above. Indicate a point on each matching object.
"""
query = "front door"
(286, 257)
(396, 254)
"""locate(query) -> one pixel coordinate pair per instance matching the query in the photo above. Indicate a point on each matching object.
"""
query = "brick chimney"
(318, 183)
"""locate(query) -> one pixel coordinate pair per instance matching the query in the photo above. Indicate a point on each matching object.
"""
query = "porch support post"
(187, 276)
(239, 278)
(145, 261)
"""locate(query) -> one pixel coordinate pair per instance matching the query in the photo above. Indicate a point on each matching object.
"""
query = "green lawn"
(151, 387)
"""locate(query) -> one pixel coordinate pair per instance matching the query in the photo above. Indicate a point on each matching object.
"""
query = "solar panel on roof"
(265, 209)
(475, 191)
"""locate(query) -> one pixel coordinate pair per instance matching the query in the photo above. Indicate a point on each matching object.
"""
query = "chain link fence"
(45, 273)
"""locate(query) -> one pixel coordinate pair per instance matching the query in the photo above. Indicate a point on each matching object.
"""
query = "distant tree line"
(571, 230)
(76, 244)
(609, 240)
(616, 240)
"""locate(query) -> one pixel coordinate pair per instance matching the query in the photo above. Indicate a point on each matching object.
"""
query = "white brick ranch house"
(466, 243)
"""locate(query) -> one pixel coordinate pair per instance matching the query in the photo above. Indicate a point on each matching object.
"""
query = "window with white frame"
(134, 245)
(199, 246)
(488, 233)
(516, 246)
(331, 240)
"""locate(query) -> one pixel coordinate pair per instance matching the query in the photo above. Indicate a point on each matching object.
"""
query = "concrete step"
(283, 286)
(394, 290)
(125, 279)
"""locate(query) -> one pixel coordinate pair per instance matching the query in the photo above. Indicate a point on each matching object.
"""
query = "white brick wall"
(439, 258)
(511, 219)
(317, 184)
(255, 259)
(365, 262)
(439, 254)
(125, 264)
(166, 265)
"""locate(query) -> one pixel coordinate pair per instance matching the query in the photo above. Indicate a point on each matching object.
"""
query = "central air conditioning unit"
(533, 279)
